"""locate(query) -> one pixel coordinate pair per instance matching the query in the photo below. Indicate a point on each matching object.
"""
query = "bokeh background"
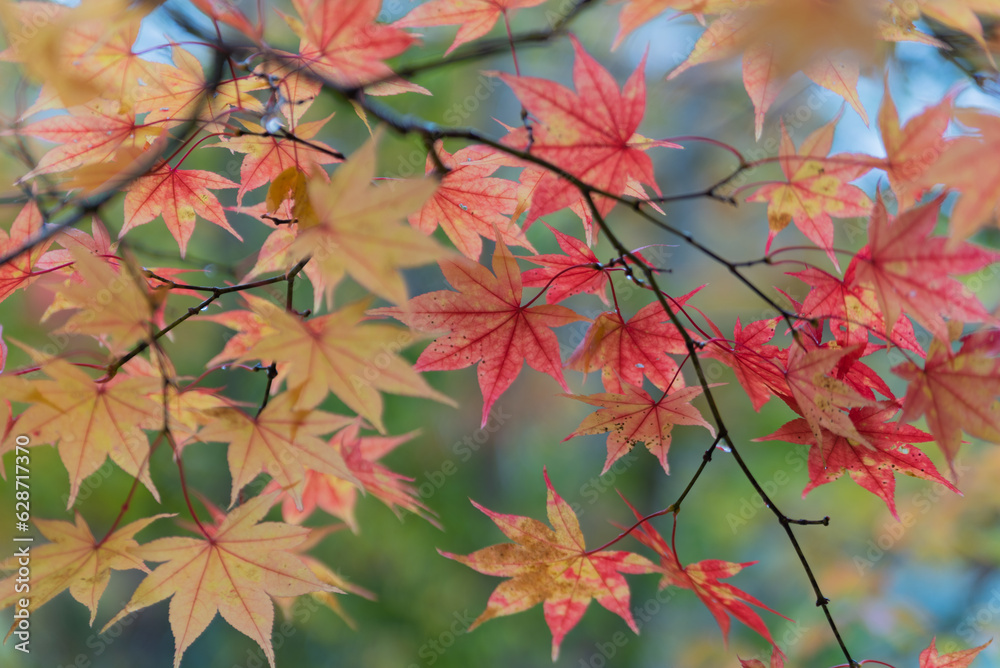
(893, 584)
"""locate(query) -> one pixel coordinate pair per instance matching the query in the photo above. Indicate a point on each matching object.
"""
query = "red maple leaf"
(577, 272)
(911, 271)
(872, 467)
(635, 417)
(852, 309)
(627, 351)
(267, 157)
(180, 196)
(590, 133)
(487, 325)
(817, 396)
(721, 598)
(19, 272)
(470, 203)
(759, 366)
(342, 43)
(929, 658)
(956, 391)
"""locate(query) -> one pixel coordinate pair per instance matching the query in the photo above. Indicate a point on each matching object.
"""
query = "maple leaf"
(638, 12)
(342, 43)
(777, 661)
(112, 305)
(778, 38)
(961, 15)
(475, 17)
(333, 353)
(486, 325)
(554, 566)
(929, 658)
(721, 598)
(627, 351)
(90, 134)
(338, 497)
(232, 571)
(960, 166)
(956, 391)
(231, 15)
(357, 232)
(873, 467)
(268, 156)
(274, 256)
(914, 147)
(19, 273)
(182, 94)
(634, 416)
(758, 366)
(911, 271)
(280, 440)
(470, 203)
(578, 271)
(818, 396)
(180, 196)
(816, 188)
(88, 421)
(852, 309)
(100, 48)
(590, 133)
(75, 560)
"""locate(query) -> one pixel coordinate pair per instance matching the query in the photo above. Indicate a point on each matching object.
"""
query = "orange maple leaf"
(554, 566)
(183, 91)
(112, 304)
(90, 134)
(233, 572)
(77, 561)
(914, 147)
(487, 325)
(960, 166)
(357, 232)
(338, 497)
(281, 440)
(633, 417)
(87, 421)
(333, 353)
